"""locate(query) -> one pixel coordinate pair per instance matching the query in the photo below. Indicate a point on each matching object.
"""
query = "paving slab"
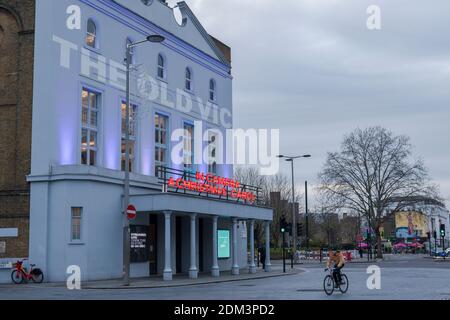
(180, 281)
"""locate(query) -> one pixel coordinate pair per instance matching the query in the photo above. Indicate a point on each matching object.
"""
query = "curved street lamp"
(294, 216)
(126, 230)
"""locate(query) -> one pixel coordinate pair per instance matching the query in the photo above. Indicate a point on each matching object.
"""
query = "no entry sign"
(131, 212)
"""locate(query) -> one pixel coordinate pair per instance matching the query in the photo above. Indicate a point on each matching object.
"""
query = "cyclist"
(336, 258)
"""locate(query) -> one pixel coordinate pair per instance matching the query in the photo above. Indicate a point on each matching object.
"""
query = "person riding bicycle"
(336, 258)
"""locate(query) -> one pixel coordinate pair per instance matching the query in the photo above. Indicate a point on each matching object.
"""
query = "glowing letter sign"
(213, 185)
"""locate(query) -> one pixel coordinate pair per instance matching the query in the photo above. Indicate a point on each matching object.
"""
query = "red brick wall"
(16, 95)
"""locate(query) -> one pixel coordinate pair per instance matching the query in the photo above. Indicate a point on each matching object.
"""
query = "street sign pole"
(292, 257)
(284, 255)
(429, 242)
(435, 244)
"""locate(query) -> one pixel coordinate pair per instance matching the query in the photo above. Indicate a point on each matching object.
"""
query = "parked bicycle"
(329, 283)
(20, 274)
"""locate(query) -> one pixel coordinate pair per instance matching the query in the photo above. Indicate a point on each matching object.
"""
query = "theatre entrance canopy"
(222, 205)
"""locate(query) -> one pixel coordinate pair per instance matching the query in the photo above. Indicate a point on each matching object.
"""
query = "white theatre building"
(195, 222)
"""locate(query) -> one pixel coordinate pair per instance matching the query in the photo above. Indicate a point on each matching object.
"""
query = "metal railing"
(164, 175)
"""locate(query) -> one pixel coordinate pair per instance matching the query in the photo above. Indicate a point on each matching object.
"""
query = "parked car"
(442, 254)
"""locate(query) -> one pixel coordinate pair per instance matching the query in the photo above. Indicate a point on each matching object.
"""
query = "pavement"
(407, 277)
(178, 280)
(182, 281)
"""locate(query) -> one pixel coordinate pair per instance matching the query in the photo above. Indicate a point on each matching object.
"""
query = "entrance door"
(152, 245)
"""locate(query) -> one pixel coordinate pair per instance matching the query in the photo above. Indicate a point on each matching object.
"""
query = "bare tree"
(374, 172)
(268, 184)
(326, 215)
(250, 176)
(349, 228)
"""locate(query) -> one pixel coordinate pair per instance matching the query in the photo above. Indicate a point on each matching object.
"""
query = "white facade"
(76, 205)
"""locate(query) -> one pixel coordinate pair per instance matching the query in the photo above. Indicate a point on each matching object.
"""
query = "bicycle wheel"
(328, 285)
(17, 277)
(37, 276)
(343, 287)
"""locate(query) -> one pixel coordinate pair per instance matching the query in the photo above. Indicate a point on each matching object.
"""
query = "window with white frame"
(161, 142)
(212, 90)
(161, 67)
(91, 34)
(188, 146)
(188, 80)
(212, 152)
(89, 127)
(75, 224)
(133, 134)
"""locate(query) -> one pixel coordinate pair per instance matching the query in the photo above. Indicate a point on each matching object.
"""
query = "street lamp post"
(294, 216)
(126, 222)
(306, 217)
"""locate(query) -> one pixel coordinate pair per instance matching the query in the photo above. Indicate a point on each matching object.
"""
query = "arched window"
(212, 90)
(91, 34)
(161, 67)
(188, 81)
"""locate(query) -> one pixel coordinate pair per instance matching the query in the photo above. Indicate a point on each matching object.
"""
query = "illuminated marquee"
(213, 185)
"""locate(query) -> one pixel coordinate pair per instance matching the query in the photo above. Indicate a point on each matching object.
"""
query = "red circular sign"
(131, 212)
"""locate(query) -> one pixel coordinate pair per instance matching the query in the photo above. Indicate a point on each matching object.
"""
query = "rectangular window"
(76, 224)
(133, 133)
(89, 127)
(161, 145)
(188, 146)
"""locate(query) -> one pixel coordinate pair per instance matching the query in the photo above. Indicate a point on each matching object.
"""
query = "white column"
(193, 271)
(235, 269)
(215, 272)
(268, 264)
(252, 247)
(167, 246)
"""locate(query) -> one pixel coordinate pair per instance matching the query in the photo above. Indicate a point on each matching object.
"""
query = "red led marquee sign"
(213, 185)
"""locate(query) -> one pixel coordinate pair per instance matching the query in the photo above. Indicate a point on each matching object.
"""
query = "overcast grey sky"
(312, 69)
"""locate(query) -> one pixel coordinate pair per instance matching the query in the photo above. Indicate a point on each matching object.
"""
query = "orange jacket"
(337, 259)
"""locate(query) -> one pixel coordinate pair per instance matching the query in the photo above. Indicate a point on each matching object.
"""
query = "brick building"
(16, 94)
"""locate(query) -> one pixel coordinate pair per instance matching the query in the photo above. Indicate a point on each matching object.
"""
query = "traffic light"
(299, 229)
(283, 224)
(289, 228)
(442, 230)
(434, 234)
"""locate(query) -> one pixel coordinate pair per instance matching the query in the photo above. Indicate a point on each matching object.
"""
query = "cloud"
(313, 69)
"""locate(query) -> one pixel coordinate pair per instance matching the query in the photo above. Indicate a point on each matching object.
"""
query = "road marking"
(309, 290)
